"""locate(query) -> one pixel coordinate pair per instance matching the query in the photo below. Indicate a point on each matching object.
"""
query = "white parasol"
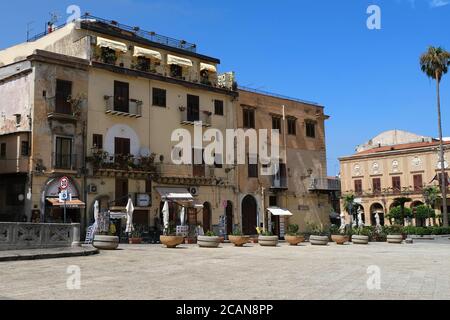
(165, 213)
(130, 211)
(183, 216)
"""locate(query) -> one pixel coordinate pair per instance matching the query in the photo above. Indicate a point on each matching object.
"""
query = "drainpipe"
(84, 218)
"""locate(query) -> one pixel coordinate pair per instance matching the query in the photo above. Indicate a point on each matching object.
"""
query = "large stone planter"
(208, 242)
(268, 241)
(171, 241)
(294, 240)
(394, 238)
(105, 242)
(239, 241)
(135, 240)
(319, 240)
(339, 239)
(360, 239)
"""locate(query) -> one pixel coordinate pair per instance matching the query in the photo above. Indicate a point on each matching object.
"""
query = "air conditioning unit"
(92, 188)
(194, 191)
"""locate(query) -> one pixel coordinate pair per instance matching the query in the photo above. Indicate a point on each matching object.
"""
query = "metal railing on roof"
(271, 94)
(149, 35)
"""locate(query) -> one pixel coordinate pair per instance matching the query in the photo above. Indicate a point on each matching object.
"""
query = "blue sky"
(369, 80)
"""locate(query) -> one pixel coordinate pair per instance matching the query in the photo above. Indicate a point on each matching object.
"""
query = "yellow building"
(393, 164)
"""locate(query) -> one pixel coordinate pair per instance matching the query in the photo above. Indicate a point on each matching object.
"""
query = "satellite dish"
(145, 152)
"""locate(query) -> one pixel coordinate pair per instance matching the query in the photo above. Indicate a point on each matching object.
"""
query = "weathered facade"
(391, 165)
(301, 184)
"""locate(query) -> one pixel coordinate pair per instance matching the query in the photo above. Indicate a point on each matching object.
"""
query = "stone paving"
(417, 271)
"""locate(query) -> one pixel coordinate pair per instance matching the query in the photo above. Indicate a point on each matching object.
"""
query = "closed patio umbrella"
(183, 216)
(165, 213)
(96, 212)
(130, 211)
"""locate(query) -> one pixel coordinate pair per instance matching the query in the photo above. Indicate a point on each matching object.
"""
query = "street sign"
(64, 183)
(63, 196)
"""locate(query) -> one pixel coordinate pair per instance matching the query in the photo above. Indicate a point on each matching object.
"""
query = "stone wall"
(20, 236)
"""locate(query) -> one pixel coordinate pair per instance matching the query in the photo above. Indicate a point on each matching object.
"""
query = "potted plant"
(170, 239)
(267, 239)
(135, 237)
(209, 240)
(338, 235)
(318, 236)
(361, 235)
(238, 239)
(106, 240)
(394, 234)
(293, 237)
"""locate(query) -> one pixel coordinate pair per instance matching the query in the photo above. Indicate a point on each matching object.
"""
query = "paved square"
(418, 271)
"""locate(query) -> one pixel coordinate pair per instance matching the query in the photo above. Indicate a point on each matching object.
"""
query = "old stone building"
(391, 165)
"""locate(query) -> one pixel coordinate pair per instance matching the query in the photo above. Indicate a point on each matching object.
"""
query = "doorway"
(249, 215)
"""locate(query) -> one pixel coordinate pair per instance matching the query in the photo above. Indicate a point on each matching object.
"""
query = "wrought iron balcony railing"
(62, 161)
(324, 184)
(131, 108)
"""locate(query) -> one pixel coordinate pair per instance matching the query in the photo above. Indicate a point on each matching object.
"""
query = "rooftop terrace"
(149, 35)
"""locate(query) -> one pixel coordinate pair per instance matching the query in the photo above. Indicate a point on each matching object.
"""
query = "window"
(310, 129)
(193, 108)
(198, 167)
(276, 123)
(218, 107)
(418, 182)
(176, 71)
(252, 166)
(358, 186)
(63, 153)
(159, 97)
(3, 151)
(97, 141)
(396, 184)
(24, 149)
(121, 192)
(121, 146)
(249, 118)
(273, 201)
(63, 94)
(447, 183)
(376, 185)
(121, 96)
(292, 126)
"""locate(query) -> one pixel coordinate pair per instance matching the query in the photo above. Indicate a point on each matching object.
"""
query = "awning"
(208, 67)
(74, 204)
(175, 194)
(115, 45)
(178, 61)
(142, 52)
(279, 212)
(117, 215)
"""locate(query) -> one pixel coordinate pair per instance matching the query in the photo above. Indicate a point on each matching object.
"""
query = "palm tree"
(431, 195)
(434, 63)
(349, 205)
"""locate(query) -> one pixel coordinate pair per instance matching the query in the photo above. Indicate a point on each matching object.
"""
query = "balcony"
(69, 111)
(279, 182)
(125, 165)
(131, 109)
(325, 184)
(190, 118)
(62, 161)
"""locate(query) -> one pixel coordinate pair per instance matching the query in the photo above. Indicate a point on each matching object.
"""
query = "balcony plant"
(108, 56)
(266, 238)
(238, 238)
(293, 236)
(318, 236)
(170, 239)
(338, 235)
(209, 240)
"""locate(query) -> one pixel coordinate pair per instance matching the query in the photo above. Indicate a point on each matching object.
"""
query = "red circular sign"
(64, 183)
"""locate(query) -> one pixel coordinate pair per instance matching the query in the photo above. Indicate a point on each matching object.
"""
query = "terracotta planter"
(106, 242)
(360, 239)
(294, 240)
(208, 242)
(254, 240)
(171, 241)
(268, 241)
(222, 239)
(339, 239)
(190, 240)
(239, 241)
(135, 240)
(395, 238)
(319, 240)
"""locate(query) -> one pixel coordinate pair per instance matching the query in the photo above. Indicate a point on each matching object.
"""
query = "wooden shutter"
(63, 93)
